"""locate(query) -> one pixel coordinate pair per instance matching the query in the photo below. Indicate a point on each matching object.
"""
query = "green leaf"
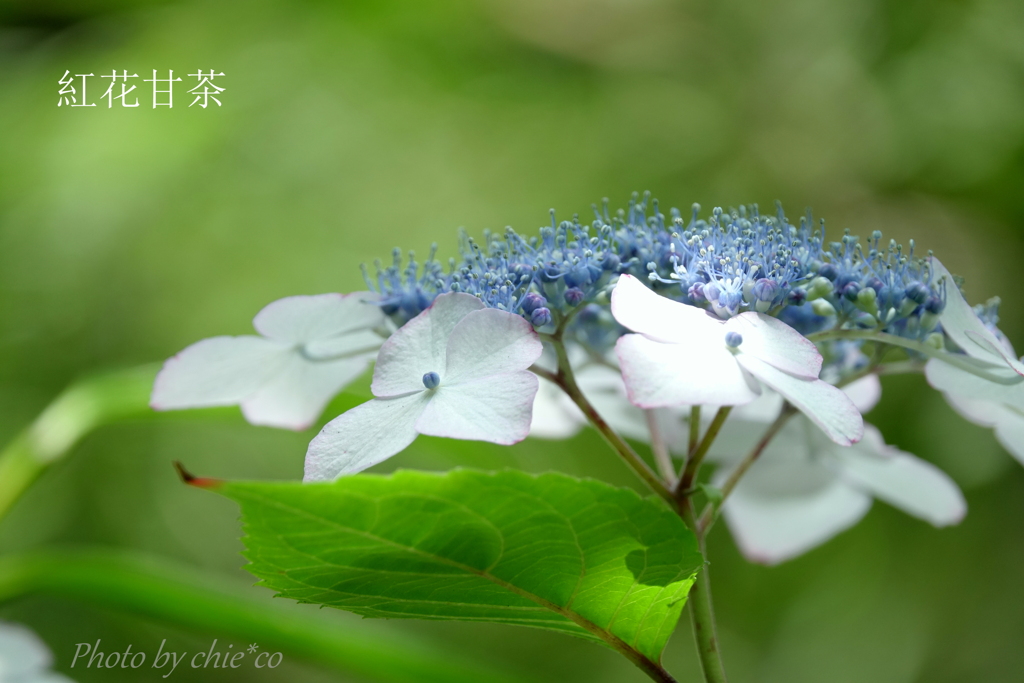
(548, 551)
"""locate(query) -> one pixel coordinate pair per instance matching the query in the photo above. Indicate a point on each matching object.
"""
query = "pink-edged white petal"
(489, 342)
(364, 343)
(979, 411)
(295, 397)
(865, 392)
(770, 528)
(495, 409)
(1010, 433)
(300, 319)
(744, 429)
(828, 407)
(606, 392)
(1007, 420)
(218, 372)
(661, 375)
(764, 409)
(638, 308)
(776, 343)
(555, 416)
(419, 346)
(915, 486)
(965, 328)
(364, 436)
(950, 379)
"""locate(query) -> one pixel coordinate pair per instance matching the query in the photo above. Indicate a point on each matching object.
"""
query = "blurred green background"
(352, 127)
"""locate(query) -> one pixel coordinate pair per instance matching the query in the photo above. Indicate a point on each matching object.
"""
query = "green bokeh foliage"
(352, 127)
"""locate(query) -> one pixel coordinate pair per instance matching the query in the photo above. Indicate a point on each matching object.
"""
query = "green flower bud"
(822, 308)
(865, 319)
(819, 287)
(907, 307)
(866, 301)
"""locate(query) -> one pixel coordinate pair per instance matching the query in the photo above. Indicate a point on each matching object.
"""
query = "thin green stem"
(702, 612)
(966, 363)
(660, 450)
(898, 368)
(185, 597)
(78, 410)
(19, 467)
(707, 517)
(700, 601)
(685, 486)
(694, 430)
(567, 381)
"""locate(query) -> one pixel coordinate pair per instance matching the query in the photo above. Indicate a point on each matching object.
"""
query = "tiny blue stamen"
(431, 380)
(733, 339)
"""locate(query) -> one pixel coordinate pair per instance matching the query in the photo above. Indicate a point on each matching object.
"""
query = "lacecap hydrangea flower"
(458, 370)
(683, 356)
(804, 489)
(309, 349)
(652, 314)
(997, 404)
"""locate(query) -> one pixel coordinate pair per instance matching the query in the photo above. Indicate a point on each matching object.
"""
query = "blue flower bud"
(875, 284)
(579, 275)
(540, 317)
(844, 280)
(612, 263)
(711, 292)
(574, 296)
(797, 297)
(533, 301)
(728, 304)
(696, 293)
(764, 290)
(549, 274)
(733, 339)
(851, 291)
(431, 380)
(829, 271)
(934, 305)
(917, 292)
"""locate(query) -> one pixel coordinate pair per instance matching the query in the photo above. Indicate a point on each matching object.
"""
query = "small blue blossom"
(728, 263)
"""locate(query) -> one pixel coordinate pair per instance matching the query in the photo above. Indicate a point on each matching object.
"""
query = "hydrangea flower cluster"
(733, 262)
(662, 321)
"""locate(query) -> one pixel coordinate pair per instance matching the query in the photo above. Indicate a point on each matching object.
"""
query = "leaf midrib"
(611, 639)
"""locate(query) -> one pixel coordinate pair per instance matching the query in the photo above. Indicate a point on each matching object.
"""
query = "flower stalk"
(708, 515)
(565, 379)
(702, 612)
(676, 494)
